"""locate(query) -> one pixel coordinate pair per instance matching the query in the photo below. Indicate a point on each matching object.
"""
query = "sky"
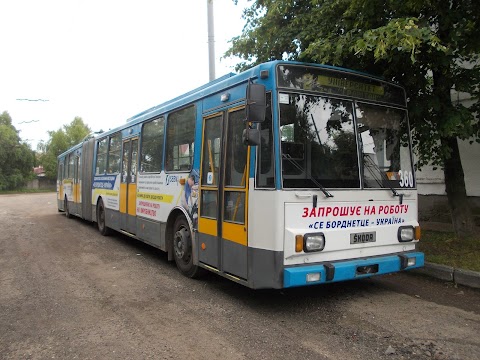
(104, 60)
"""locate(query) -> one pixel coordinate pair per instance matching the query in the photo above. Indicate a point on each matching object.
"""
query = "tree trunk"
(462, 218)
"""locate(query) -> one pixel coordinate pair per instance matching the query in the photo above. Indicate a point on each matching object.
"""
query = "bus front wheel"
(182, 248)
(102, 227)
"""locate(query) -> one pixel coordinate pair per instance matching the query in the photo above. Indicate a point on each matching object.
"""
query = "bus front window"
(318, 141)
(386, 160)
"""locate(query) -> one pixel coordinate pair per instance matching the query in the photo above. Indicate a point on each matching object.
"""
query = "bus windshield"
(320, 144)
(385, 146)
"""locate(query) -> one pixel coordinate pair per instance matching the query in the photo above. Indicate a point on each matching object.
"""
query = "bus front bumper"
(328, 272)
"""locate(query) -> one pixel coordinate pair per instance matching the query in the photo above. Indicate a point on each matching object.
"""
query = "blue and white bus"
(287, 174)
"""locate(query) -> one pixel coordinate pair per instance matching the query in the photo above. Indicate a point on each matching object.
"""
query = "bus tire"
(182, 248)
(65, 206)
(102, 227)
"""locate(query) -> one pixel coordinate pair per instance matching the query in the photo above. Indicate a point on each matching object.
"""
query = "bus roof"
(205, 86)
(220, 84)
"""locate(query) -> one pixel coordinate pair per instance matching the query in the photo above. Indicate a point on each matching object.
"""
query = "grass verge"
(444, 248)
(25, 191)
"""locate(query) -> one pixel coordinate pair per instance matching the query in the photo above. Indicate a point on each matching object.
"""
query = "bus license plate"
(363, 237)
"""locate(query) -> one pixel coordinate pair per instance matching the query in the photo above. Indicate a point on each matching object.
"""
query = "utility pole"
(211, 41)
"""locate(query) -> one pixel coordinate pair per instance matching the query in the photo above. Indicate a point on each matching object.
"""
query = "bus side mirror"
(251, 136)
(256, 103)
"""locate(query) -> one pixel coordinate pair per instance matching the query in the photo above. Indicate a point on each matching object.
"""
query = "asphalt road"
(66, 292)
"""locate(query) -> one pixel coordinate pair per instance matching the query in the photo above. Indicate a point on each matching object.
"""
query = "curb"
(448, 273)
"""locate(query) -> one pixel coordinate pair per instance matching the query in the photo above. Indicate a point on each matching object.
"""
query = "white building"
(433, 203)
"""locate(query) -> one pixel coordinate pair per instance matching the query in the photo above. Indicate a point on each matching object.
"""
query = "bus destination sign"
(338, 83)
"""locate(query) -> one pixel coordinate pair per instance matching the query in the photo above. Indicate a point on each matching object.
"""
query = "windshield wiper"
(383, 176)
(299, 167)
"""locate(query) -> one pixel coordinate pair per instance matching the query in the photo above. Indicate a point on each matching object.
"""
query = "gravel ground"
(66, 292)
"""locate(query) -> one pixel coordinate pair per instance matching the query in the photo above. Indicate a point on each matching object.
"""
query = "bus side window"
(180, 139)
(114, 153)
(60, 171)
(71, 162)
(101, 164)
(151, 154)
(65, 168)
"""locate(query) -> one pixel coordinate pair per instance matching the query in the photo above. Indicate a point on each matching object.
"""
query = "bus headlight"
(313, 242)
(406, 233)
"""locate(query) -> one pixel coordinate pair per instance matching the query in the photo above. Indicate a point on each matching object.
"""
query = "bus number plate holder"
(363, 237)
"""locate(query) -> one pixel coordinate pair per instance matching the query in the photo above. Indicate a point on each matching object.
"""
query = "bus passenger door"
(77, 199)
(222, 224)
(128, 186)
(60, 184)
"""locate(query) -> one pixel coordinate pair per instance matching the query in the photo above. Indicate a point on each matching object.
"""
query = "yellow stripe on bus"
(105, 192)
(155, 197)
(207, 226)
(132, 206)
(123, 198)
(235, 232)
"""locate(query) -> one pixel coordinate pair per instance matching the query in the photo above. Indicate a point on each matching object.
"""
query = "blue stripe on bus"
(346, 270)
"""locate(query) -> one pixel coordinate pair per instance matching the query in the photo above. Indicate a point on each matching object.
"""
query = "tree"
(428, 46)
(59, 141)
(16, 158)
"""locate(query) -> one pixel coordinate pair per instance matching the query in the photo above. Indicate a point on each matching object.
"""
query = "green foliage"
(16, 158)
(59, 141)
(76, 131)
(429, 47)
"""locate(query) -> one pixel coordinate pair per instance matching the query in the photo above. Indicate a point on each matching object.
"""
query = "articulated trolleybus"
(285, 175)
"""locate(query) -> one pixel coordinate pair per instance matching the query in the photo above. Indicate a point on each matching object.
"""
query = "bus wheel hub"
(180, 243)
